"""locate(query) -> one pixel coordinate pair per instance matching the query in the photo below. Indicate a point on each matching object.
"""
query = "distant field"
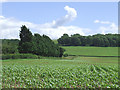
(69, 72)
(91, 51)
(98, 60)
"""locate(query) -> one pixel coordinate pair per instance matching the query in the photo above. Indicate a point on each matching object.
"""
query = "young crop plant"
(59, 74)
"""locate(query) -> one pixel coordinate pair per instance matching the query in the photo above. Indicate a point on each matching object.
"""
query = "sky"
(56, 18)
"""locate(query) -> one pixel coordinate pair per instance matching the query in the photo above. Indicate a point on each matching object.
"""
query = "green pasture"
(91, 51)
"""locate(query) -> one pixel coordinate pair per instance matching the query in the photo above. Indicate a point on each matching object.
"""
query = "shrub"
(19, 56)
(6, 56)
(65, 55)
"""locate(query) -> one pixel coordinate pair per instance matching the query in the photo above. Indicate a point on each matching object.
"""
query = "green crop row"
(59, 76)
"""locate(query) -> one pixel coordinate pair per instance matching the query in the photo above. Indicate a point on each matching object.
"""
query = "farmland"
(66, 45)
(68, 72)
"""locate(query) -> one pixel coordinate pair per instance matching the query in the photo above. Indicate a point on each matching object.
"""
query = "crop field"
(68, 72)
(91, 51)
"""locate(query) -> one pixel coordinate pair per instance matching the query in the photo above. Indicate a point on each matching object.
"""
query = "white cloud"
(71, 15)
(110, 28)
(55, 33)
(105, 22)
(3, 0)
(10, 26)
(102, 22)
(96, 21)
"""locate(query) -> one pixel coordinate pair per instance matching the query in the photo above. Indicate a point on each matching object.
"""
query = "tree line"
(99, 40)
(9, 46)
(35, 44)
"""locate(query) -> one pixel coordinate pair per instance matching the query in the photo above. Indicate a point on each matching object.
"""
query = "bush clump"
(65, 55)
(19, 56)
